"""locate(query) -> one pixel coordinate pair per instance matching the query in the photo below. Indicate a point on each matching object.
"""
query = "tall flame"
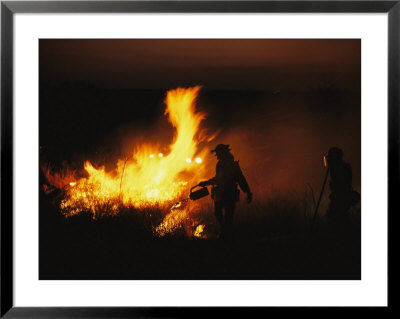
(147, 178)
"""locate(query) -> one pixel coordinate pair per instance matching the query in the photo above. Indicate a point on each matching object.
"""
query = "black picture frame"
(9, 8)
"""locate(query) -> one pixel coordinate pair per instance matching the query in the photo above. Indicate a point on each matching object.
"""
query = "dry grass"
(280, 214)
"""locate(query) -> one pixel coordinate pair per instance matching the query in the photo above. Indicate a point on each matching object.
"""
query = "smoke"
(280, 140)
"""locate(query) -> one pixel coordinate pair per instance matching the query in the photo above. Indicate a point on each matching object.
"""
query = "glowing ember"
(172, 222)
(199, 231)
(147, 178)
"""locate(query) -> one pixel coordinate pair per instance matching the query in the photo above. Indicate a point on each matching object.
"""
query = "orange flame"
(147, 178)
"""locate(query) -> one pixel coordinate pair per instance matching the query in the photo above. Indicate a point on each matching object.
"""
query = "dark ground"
(80, 248)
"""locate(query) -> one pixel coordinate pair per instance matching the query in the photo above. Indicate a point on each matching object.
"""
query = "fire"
(199, 231)
(146, 178)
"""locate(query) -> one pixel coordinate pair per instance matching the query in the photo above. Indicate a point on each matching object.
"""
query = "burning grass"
(153, 185)
(145, 180)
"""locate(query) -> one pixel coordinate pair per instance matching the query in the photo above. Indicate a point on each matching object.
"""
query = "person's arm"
(244, 186)
(349, 176)
(211, 181)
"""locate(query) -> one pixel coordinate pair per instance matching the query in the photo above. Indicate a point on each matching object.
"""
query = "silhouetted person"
(225, 192)
(341, 197)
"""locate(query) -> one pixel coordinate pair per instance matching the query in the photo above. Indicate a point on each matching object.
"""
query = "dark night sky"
(267, 65)
(280, 103)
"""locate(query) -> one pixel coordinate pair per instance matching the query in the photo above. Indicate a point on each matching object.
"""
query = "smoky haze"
(280, 139)
(280, 104)
(256, 65)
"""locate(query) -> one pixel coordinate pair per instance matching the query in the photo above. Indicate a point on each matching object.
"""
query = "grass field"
(271, 241)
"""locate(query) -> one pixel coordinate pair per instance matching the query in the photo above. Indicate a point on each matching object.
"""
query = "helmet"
(221, 148)
(335, 153)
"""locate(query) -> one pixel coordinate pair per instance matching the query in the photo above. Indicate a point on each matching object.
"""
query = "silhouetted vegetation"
(271, 241)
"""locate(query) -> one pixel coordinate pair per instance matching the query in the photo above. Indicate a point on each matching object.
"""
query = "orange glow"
(147, 178)
(199, 231)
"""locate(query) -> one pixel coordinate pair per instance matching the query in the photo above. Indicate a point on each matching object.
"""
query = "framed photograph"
(164, 155)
